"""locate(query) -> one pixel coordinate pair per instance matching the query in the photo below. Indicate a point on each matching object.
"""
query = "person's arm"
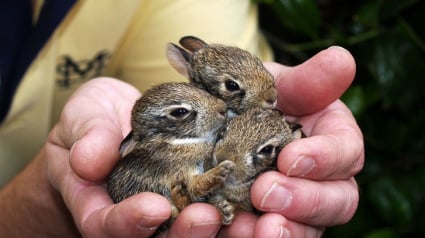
(31, 207)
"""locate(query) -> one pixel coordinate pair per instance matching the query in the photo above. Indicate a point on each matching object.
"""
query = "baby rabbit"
(252, 141)
(174, 128)
(229, 73)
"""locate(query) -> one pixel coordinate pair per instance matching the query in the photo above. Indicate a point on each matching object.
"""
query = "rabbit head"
(253, 141)
(177, 110)
(230, 73)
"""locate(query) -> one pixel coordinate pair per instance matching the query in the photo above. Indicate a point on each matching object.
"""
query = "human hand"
(81, 151)
(314, 187)
(97, 118)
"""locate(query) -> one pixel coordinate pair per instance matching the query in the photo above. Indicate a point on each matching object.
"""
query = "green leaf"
(392, 8)
(383, 233)
(301, 16)
(368, 13)
(397, 66)
(354, 99)
(390, 202)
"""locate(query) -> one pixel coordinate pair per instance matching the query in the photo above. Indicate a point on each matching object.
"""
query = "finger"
(95, 154)
(97, 117)
(314, 84)
(196, 220)
(242, 226)
(96, 216)
(275, 225)
(137, 216)
(101, 99)
(57, 159)
(324, 203)
(333, 150)
(94, 213)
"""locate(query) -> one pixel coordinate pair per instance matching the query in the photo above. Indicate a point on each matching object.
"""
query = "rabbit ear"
(192, 43)
(127, 145)
(179, 59)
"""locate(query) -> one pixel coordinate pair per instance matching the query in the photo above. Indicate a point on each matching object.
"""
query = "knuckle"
(351, 203)
(357, 155)
(333, 204)
(349, 155)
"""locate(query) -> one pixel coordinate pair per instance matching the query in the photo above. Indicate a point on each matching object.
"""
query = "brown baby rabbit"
(174, 128)
(230, 73)
(252, 141)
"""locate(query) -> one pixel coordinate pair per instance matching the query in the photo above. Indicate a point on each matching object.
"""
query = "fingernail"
(204, 230)
(143, 227)
(277, 198)
(301, 167)
(284, 233)
(150, 223)
(71, 150)
(339, 48)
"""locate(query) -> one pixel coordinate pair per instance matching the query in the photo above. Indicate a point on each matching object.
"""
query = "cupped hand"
(314, 187)
(81, 151)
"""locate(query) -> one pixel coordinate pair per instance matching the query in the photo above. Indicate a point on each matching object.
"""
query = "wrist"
(31, 207)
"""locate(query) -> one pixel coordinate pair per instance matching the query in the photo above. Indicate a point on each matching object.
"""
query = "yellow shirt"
(124, 39)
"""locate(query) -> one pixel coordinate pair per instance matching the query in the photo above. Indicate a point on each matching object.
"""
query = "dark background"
(387, 97)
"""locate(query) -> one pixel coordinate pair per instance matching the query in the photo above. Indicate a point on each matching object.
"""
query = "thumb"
(314, 84)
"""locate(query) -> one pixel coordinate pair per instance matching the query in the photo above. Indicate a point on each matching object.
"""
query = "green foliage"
(387, 39)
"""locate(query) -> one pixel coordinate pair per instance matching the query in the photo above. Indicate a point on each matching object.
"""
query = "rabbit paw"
(178, 193)
(226, 167)
(227, 211)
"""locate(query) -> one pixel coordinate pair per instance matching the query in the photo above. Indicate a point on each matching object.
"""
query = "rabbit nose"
(222, 109)
(222, 113)
(269, 103)
(269, 98)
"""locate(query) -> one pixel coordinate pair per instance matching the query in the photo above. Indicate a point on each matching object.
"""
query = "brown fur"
(252, 141)
(217, 68)
(155, 153)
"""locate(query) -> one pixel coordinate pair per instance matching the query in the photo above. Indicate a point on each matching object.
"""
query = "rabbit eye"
(179, 112)
(267, 150)
(231, 85)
